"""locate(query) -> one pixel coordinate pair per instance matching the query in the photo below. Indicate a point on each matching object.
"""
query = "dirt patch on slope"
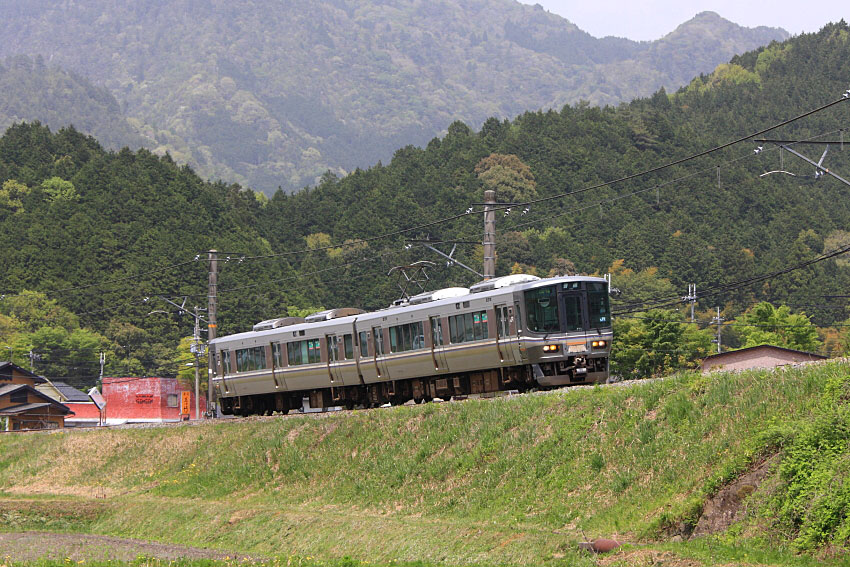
(728, 505)
(30, 546)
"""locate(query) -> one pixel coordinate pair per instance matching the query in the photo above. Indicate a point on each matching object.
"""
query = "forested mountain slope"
(273, 94)
(73, 215)
(710, 221)
(33, 90)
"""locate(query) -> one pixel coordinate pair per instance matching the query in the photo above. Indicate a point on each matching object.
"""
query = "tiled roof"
(70, 393)
(14, 410)
(12, 366)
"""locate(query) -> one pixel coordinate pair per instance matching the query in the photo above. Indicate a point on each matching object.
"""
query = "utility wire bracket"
(412, 274)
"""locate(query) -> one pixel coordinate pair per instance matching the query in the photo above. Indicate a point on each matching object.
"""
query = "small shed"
(762, 356)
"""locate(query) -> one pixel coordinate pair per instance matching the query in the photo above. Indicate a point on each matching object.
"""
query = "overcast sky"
(651, 19)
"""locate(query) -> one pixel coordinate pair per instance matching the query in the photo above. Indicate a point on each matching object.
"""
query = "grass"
(506, 481)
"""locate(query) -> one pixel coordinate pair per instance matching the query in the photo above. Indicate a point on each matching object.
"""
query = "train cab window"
(225, 363)
(597, 305)
(277, 355)
(541, 310)
(348, 344)
(364, 344)
(436, 331)
(572, 309)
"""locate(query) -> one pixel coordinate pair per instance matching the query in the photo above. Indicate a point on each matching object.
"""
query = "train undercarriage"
(397, 392)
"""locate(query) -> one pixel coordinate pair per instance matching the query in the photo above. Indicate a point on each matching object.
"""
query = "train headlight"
(599, 344)
(551, 348)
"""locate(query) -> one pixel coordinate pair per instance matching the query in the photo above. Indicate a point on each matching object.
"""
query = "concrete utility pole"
(489, 235)
(212, 327)
(719, 322)
(196, 350)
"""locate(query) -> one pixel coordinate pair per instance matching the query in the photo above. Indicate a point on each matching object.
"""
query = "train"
(516, 332)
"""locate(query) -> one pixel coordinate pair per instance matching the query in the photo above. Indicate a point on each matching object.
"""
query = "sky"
(652, 19)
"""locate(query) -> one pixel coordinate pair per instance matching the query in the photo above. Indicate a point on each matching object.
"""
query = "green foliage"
(765, 324)
(59, 190)
(11, 196)
(511, 179)
(814, 503)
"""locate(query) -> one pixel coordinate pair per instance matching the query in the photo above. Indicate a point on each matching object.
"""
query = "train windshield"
(597, 302)
(571, 306)
(541, 307)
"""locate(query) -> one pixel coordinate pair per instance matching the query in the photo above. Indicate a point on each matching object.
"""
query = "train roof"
(486, 288)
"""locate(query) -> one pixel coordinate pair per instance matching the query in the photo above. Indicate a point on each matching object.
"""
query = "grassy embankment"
(507, 481)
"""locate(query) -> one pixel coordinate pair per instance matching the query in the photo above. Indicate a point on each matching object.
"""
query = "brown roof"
(9, 366)
(9, 388)
(791, 350)
(15, 410)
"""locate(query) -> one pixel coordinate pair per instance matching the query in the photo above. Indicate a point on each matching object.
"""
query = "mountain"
(270, 93)
(73, 214)
(57, 97)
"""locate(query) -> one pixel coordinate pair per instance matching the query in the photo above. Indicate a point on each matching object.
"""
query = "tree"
(11, 195)
(508, 176)
(765, 324)
(59, 190)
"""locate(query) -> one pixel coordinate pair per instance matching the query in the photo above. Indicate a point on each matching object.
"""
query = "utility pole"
(212, 326)
(489, 235)
(197, 349)
(32, 361)
(719, 322)
(692, 298)
(102, 362)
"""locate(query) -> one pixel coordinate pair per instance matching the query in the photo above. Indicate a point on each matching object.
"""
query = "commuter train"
(509, 333)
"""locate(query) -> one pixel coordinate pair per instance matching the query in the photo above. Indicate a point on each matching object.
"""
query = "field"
(510, 481)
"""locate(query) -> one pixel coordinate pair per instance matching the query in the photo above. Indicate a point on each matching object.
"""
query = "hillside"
(270, 94)
(692, 222)
(56, 97)
(514, 481)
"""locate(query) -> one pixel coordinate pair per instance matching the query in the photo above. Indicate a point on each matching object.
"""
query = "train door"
(438, 339)
(380, 352)
(515, 325)
(334, 370)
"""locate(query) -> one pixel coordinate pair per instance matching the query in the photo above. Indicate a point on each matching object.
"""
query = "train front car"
(567, 330)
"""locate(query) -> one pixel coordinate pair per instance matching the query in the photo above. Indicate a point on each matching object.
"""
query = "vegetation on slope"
(274, 95)
(516, 480)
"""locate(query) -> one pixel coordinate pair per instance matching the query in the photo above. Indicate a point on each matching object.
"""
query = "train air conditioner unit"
(329, 314)
(503, 281)
(279, 322)
(439, 294)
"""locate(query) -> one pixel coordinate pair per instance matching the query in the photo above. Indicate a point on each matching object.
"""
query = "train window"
(541, 306)
(468, 327)
(572, 285)
(225, 363)
(364, 343)
(333, 348)
(502, 326)
(597, 303)
(407, 337)
(253, 358)
(572, 308)
(277, 354)
(348, 343)
(436, 331)
(304, 352)
(378, 333)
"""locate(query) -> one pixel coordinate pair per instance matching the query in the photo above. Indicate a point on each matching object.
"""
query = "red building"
(146, 400)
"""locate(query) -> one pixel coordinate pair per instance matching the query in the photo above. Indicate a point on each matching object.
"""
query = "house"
(23, 406)
(133, 399)
(763, 356)
(85, 411)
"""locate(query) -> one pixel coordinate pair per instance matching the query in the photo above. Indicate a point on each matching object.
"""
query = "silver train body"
(510, 333)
